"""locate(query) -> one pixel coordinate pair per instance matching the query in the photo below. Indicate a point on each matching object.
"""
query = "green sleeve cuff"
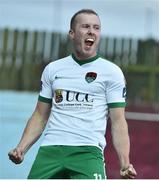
(45, 100)
(117, 104)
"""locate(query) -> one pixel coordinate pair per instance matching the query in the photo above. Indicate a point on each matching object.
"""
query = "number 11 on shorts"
(97, 176)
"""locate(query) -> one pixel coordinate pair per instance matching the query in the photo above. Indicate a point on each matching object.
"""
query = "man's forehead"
(86, 18)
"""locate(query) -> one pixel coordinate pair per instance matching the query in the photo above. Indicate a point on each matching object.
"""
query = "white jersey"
(81, 93)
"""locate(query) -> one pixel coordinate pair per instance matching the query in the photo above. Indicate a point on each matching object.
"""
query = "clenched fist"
(128, 173)
(16, 155)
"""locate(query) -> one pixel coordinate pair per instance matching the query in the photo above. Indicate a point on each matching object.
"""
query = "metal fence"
(23, 55)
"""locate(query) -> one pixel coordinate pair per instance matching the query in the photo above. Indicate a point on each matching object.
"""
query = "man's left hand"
(128, 173)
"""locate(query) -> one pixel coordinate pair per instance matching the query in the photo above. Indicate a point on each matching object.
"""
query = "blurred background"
(34, 33)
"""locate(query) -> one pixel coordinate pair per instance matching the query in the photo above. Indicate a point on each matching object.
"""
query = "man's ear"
(71, 33)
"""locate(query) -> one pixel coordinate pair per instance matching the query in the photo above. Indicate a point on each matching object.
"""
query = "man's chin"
(89, 48)
(89, 54)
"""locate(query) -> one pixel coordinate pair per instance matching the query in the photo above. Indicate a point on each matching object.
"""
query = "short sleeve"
(46, 86)
(116, 90)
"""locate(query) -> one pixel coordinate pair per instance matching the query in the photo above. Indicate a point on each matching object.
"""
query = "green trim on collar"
(84, 61)
(45, 100)
(117, 104)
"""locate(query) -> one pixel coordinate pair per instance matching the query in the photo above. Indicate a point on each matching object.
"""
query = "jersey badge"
(58, 96)
(90, 77)
(124, 92)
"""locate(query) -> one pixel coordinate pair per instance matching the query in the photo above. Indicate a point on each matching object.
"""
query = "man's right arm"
(33, 130)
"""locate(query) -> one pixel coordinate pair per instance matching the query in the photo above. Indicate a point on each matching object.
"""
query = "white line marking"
(142, 116)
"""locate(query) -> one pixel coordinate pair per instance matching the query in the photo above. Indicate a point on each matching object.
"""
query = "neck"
(82, 56)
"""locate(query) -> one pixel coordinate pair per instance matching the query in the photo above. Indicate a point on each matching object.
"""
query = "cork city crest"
(90, 77)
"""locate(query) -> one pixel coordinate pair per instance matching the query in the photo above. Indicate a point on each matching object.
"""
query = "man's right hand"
(16, 155)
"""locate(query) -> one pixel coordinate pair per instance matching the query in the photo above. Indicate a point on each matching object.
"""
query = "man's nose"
(90, 30)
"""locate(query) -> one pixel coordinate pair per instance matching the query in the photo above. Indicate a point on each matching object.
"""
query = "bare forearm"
(121, 142)
(120, 136)
(32, 132)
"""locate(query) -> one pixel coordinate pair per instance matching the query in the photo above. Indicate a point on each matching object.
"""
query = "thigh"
(47, 164)
(86, 163)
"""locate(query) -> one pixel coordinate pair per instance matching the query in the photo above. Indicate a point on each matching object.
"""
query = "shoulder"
(60, 62)
(54, 66)
(109, 66)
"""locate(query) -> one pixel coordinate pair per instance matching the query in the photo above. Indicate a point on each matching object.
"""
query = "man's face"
(86, 34)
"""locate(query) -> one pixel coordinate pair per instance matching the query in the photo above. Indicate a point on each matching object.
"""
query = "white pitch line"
(142, 116)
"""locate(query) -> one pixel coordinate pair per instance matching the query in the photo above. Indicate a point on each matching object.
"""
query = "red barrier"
(144, 137)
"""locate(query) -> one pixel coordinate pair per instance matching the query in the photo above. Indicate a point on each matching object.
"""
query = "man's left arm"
(121, 142)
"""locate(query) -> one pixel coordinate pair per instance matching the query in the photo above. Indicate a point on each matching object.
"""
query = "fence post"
(147, 55)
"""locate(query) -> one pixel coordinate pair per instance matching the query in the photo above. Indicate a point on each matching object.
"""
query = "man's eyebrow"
(91, 24)
(97, 25)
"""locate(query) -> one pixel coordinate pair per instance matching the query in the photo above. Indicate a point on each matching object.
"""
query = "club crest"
(90, 77)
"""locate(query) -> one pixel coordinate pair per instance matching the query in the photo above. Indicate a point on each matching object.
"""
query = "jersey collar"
(84, 61)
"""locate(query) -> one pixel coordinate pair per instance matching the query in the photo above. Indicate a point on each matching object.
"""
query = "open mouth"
(89, 41)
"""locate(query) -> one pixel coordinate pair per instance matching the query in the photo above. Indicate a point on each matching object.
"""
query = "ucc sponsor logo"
(70, 96)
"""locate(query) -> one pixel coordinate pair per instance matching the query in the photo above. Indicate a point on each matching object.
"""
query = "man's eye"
(85, 26)
(97, 27)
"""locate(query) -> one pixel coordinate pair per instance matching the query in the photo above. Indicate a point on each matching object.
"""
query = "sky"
(128, 18)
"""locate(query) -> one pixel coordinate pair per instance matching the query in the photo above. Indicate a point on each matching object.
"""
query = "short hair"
(82, 11)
